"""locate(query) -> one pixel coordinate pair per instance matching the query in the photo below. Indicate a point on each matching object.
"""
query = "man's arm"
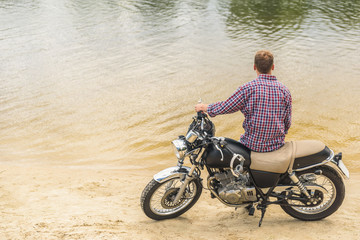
(288, 113)
(232, 104)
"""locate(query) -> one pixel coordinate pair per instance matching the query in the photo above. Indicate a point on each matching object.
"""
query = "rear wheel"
(157, 199)
(323, 203)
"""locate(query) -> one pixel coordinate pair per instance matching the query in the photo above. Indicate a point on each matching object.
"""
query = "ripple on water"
(90, 82)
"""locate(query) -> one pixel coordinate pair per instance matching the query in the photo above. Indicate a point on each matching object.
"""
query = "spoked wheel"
(322, 203)
(157, 199)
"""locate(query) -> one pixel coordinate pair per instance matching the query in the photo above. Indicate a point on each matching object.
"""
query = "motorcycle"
(304, 177)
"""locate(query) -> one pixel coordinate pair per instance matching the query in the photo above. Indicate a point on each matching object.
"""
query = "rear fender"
(340, 168)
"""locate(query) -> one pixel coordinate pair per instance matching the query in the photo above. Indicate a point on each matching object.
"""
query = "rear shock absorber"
(299, 184)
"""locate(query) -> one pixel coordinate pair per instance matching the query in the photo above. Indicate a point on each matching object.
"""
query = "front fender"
(171, 172)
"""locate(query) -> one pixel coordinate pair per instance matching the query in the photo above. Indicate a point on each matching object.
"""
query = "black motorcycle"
(304, 177)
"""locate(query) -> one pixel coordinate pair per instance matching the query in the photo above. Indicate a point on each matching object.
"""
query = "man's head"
(264, 62)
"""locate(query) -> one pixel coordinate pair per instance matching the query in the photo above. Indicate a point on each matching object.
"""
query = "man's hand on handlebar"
(201, 107)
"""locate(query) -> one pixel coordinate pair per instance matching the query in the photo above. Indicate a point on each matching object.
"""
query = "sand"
(47, 202)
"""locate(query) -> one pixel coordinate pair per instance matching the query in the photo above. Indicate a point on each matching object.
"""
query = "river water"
(112, 83)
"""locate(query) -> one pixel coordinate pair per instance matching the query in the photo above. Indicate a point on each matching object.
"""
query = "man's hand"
(201, 107)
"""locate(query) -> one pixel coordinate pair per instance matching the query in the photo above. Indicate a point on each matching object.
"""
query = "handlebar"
(201, 115)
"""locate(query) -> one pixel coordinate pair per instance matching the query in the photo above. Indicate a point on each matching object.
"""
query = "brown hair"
(264, 60)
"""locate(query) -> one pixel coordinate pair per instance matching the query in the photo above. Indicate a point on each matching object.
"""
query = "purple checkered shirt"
(266, 105)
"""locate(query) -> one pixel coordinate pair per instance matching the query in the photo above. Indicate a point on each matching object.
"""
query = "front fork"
(188, 177)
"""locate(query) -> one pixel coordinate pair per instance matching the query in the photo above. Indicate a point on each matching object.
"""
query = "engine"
(235, 190)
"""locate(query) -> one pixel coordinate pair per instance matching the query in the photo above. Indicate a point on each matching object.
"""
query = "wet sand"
(73, 203)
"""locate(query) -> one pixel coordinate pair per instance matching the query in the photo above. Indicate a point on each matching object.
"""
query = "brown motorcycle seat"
(278, 161)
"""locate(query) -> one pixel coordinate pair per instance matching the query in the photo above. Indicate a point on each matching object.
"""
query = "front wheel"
(323, 203)
(157, 199)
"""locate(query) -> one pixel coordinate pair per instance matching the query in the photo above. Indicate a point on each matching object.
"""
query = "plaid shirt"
(266, 105)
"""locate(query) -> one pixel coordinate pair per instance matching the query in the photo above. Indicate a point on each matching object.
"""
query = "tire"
(336, 193)
(156, 198)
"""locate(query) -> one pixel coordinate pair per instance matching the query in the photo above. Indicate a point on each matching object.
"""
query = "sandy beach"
(74, 203)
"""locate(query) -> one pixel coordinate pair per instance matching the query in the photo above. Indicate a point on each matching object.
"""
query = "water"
(111, 83)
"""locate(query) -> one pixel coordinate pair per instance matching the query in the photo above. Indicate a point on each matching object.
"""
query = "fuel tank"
(213, 156)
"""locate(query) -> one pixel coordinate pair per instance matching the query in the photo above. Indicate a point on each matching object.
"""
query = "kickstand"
(263, 209)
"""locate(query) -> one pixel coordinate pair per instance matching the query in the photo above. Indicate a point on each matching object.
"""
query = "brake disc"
(167, 200)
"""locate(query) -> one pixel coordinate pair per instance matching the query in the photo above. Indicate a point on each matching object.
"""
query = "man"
(265, 103)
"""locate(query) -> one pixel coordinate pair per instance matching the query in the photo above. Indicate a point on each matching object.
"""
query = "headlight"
(179, 148)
